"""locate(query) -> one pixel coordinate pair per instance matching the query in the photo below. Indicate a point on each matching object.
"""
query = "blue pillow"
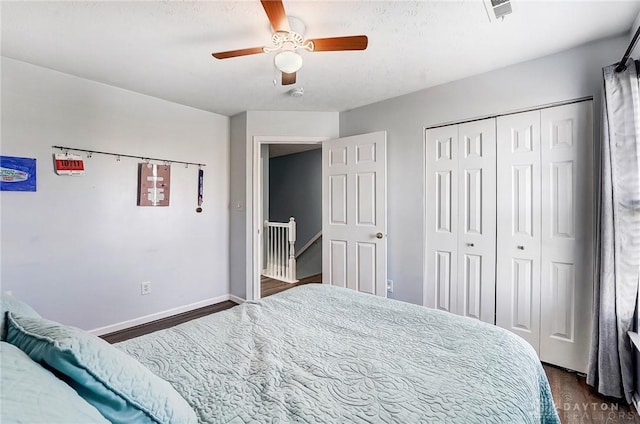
(32, 394)
(121, 388)
(11, 304)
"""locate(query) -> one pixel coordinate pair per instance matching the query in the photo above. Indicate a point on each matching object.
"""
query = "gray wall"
(264, 160)
(78, 248)
(295, 190)
(237, 221)
(244, 127)
(567, 75)
(310, 262)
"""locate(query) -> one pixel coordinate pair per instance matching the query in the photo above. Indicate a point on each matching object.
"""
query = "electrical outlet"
(145, 288)
(390, 286)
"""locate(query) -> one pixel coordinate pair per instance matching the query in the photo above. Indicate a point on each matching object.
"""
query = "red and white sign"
(67, 164)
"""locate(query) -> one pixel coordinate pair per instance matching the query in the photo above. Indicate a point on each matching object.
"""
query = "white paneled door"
(545, 230)
(354, 221)
(476, 220)
(518, 228)
(509, 205)
(442, 218)
(567, 238)
(461, 224)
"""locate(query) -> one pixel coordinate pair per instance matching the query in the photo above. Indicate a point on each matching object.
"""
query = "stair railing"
(279, 243)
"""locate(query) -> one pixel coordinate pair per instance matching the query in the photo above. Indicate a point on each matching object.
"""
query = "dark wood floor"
(161, 324)
(578, 403)
(269, 286)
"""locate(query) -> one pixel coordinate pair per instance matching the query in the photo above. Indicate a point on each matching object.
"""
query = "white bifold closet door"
(461, 225)
(568, 224)
(519, 221)
(545, 230)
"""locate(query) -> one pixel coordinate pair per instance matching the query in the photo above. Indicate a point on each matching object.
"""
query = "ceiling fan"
(286, 41)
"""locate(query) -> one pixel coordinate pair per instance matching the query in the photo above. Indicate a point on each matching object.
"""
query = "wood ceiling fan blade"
(276, 14)
(236, 53)
(288, 79)
(353, 42)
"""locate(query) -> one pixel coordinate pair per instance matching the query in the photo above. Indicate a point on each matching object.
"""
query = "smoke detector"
(296, 92)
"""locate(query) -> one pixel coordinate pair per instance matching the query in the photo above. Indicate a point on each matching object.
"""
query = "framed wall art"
(17, 174)
(153, 184)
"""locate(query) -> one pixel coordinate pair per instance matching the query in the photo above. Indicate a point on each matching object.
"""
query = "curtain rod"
(622, 64)
(121, 155)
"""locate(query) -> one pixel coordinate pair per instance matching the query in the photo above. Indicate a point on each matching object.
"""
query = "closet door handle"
(470, 244)
(520, 247)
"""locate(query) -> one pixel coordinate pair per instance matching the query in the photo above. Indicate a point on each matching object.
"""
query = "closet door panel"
(477, 219)
(567, 238)
(441, 261)
(518, 225)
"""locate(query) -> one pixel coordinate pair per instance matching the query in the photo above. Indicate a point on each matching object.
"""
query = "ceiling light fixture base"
(288, 41)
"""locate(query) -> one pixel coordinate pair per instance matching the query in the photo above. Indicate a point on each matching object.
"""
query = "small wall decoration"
(153, 187)
(200, 189)
(68, 164)
(17, 174)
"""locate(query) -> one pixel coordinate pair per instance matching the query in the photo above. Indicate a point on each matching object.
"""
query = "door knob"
(520, 247)
(470, 244)
(379, 235)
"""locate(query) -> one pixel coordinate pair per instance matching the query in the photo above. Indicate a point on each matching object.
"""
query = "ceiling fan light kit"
(288, 36)
(288, 61)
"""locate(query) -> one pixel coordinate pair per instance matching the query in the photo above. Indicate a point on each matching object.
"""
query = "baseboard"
(163, 314)
(236, 299)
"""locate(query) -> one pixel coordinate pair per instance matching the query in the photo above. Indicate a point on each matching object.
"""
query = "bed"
(322, 354)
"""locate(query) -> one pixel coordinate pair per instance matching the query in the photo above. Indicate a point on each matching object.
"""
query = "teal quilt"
(321, 354)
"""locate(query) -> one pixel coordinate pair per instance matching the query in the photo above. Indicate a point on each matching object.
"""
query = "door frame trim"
(253, 205)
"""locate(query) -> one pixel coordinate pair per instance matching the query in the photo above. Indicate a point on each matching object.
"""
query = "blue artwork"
(17, 174)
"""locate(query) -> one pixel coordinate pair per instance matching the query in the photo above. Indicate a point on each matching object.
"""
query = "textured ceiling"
(163, 49)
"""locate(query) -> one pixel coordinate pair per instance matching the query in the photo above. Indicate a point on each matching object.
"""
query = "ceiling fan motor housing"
(288, 36)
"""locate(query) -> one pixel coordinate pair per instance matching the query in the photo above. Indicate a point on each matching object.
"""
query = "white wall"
(261, 123)
(567, 75)
(78, 248)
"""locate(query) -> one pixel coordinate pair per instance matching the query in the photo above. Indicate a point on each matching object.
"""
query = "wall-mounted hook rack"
(118, 156)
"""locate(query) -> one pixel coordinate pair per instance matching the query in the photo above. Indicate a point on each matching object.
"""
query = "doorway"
(256, 219)
(292, 212)
(355, 237)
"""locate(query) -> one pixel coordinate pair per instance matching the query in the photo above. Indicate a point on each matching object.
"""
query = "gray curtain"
(611, 364)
